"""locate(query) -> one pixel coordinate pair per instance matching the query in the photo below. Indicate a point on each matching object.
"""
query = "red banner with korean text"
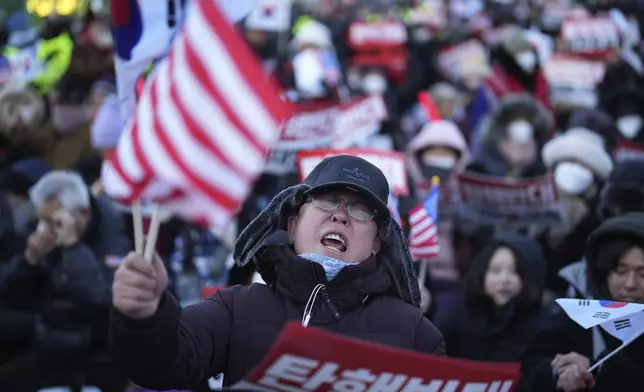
(513, 204)
(573, 81)
(322, 125)
(307, 359)
(392, 164)
(596, 37)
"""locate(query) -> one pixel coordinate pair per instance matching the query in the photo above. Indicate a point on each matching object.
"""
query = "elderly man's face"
(335, 233)
(47, 211)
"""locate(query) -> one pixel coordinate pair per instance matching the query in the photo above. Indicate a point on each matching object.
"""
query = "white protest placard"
(573, 80)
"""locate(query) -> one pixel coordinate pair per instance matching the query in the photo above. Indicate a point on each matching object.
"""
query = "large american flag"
(423, 221)
(203, 126)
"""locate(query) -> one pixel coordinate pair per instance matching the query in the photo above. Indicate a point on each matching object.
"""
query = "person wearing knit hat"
(580, 164)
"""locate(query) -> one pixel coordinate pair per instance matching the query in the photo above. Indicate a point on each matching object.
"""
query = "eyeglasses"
(358, 210)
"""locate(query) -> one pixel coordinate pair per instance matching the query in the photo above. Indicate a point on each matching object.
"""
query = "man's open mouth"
(335, 242)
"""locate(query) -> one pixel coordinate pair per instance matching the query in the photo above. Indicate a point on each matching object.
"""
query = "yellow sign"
(44, 8)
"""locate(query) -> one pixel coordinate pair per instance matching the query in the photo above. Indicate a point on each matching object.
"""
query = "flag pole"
(137, 223)
(607, 357)
(424, 263)
(153, 234)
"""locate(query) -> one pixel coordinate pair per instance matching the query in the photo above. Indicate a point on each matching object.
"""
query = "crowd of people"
(523, 92)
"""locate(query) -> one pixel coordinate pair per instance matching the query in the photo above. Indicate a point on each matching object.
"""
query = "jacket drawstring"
(308, 309)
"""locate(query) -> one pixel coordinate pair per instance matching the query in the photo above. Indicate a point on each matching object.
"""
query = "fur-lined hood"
(510, 108)
(493, 129)
(260, 235)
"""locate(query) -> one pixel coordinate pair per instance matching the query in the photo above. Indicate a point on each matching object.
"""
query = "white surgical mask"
(573, 178)
(374, 84)
(520, 131)
(629, 126)
(527, 61)
(444, 162)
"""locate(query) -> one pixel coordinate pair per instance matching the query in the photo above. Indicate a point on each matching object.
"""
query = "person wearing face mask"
(627, 108)
(515, 70)
(374, 82)
(331, 257)
(315, 67)
(509, 140)
(440, 150)
(499, 309)
(579, 164)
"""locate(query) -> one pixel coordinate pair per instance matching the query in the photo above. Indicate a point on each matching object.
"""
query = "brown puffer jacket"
(233, 330)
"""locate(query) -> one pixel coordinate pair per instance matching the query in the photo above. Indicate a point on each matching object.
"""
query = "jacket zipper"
(331, 305)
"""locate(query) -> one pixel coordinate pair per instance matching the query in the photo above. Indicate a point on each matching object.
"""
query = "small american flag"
(203, 126)
(423, 220)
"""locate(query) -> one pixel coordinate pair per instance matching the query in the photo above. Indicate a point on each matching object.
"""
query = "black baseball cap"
(354, 174)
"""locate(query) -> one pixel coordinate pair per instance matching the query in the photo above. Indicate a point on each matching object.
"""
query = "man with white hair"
(63, 272)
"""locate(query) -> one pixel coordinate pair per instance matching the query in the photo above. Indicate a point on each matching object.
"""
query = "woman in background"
(498, 314)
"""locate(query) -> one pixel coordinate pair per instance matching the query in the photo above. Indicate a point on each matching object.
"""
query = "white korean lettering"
(288, 368)
(476, 387)
(388, 382)
(451, 386)
(354, 381)
(324, 375)
(506, 386)
(415, 384)
(494, 387)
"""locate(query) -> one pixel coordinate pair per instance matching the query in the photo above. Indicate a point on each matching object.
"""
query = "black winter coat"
(232, 331)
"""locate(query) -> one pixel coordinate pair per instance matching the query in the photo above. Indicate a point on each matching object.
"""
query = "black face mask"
(430, 171)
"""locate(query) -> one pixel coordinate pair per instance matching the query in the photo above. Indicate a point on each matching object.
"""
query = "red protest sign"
(518, 203)
(573, 80)
(359, 120)
(307, 359)
(322, 125)
(392, 164)
(386, 34)
(595, 36)
(452, 59)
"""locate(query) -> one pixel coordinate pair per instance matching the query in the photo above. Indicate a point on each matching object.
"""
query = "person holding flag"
(567, 357)
(331, 256)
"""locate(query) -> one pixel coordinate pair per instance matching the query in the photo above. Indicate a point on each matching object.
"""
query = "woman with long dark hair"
(498, 314)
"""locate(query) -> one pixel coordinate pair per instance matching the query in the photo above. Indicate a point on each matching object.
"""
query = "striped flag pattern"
(203, 126)
(423, 220)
